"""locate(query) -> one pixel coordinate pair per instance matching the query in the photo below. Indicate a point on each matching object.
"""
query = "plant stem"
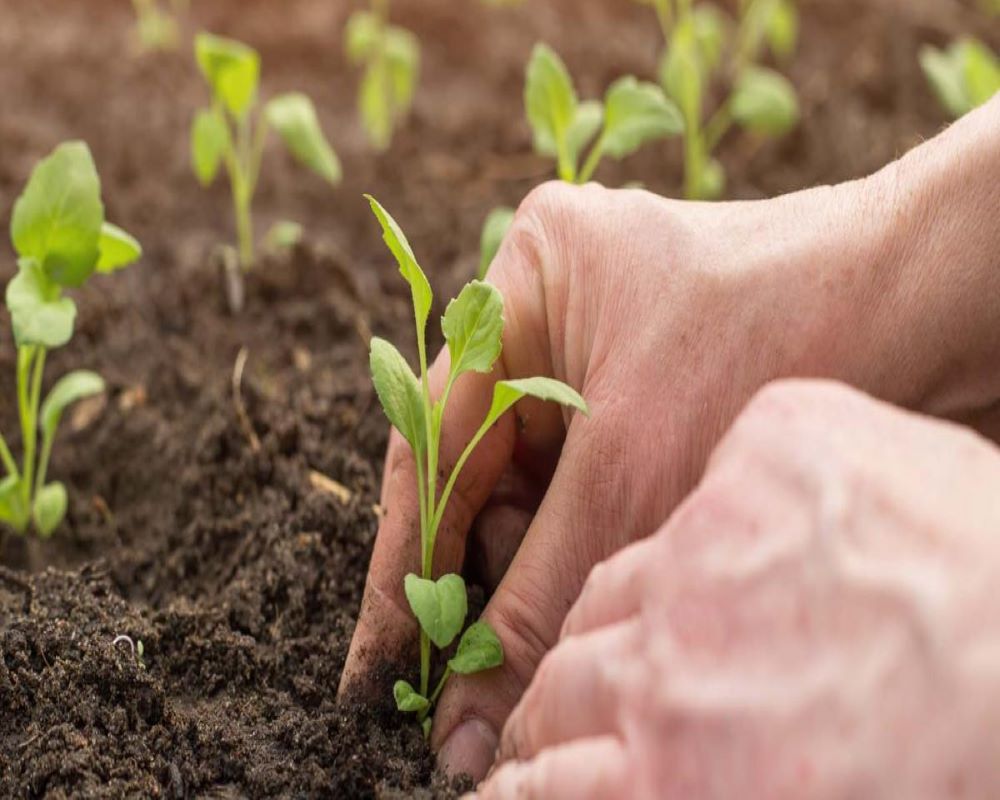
(664, 13)
(436, 519)
(593, 160)
(31, 442)
(437, 693)
(425, 662)
(25, 357)
(717, 127)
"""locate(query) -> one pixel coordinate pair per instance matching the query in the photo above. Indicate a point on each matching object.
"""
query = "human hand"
(816, 620)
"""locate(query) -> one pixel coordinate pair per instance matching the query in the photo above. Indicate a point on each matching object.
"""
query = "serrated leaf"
(478, 649)
(231, 68)
(635, 113)
(473, 328)
(549, 99)
(395, 239)
(408, 699)
(494, 230)
(399, 393)
(39, 314)
(507, 393)
(440, 606)
(293, 116)
(783, 29)
(12, 508)
(117, 248)
(764, 102)
(57, 219)
(361, 36)
(49, 508)
(68, 389)
(209, 141)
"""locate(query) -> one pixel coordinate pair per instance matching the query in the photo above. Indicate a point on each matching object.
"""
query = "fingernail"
(469, 749)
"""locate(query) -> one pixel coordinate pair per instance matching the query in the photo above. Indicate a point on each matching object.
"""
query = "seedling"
(61, 238)
(633, 113)
(963, 76)
(703, 44)
(233, 130)
(473, 328)
(390, 56)
(156, 27)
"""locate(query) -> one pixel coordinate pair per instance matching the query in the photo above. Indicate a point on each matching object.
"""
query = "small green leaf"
(586, 123)
(507, 393)
(409, 699)
(494, 230)
(68, 389)
(231, 68)
(284, 235)
(394, 237)
(980, 71)
(209, 141)
(294, 117)
(49, 508)
(473, 328)
(440, 606)
(636, 113)
(361, 36)
(783, 29)
(399, 393)
(12, 508)
(38, 313)
(549, 99)
(57, 219)
(118, 249)
(764, 102)
(478, 649)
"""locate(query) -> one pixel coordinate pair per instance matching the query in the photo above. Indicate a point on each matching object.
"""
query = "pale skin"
(669, 317)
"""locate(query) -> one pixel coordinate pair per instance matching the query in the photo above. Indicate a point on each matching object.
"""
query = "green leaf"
(586, 123)
(945, 77)
(394, 237)
(284, 235)
(409, 699)
(783, 29)
(361, 36)
(38, 313)
(473, 328)
(402, 53)
(506, 393)
(68, 389)
(399, 393)
(209, 141)
(12, 508)
(549, 99)
(478, 649)
(294, 117)
(57, 219)
(231, 68)
(494, 230)
(49, 509)
(440, 606)
(980, 70)
(764, 102)
(118, 249)
(636, 113)
(374, 104)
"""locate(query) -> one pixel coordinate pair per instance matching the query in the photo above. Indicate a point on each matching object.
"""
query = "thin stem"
(256, 152)
(8, 460)
(593, 160)
(717, 127)
(425, 661)
(664, 14)
(25, 356)
(437, 693)
(567, 169)
(436, 519)
(30, 443)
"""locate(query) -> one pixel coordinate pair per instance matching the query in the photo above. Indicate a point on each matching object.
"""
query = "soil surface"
(214, 537)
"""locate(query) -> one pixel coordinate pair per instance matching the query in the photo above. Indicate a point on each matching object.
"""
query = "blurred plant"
(156, 28)
(61, 238)
(473, 331)
(963, 76)
(233, 130)
(390, 56)
(703, 45)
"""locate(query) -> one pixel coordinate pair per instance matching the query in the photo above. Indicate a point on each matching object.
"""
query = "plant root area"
(223, 492)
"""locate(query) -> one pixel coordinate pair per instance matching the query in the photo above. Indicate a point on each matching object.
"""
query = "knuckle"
(522, 632)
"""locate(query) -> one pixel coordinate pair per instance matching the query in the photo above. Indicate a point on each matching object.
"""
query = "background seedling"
(705, 45)
(233, 130)
(473, 330)
(156, 26)
(61, 238)
(963, 76)
(390, 56)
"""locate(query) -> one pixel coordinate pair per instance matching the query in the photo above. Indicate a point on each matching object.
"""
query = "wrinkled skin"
(818, 619)
(668, 317)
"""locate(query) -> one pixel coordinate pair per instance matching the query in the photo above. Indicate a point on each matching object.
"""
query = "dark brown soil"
(212, 543)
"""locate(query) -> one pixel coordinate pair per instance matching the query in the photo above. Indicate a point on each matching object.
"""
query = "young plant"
(963, 76)
(61, 238)
(473, 328)
(234, 129)
(156, 27)
(633, 113)
(703, 44)
(390, 56)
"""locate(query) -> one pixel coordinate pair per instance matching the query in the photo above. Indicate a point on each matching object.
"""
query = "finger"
(575, 693)
(496, 535)
(587, 769)
(613, 591)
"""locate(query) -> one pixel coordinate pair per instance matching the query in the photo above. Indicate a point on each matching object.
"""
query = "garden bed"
(233, 545)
